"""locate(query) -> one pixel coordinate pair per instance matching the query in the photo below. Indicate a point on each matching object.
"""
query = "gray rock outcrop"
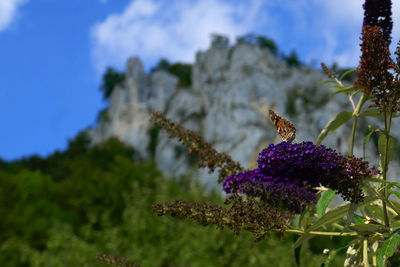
(232, 90)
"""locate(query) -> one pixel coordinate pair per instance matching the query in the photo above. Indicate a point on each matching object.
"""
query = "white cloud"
(326, 31)
(8, 12)
(175, 29)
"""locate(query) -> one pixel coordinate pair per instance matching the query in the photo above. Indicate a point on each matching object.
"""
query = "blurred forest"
(64, 209)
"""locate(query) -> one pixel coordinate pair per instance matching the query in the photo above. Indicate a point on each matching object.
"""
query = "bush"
(110, 79)
(180, 70)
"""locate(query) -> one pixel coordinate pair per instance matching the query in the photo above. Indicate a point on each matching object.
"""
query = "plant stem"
(365, 253)
(356, 113)
(388, 122)
(323, 233)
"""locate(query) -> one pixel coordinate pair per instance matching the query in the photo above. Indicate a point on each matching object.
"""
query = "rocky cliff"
(232, 90)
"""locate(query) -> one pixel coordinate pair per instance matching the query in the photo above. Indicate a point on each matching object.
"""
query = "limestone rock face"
(232, 90)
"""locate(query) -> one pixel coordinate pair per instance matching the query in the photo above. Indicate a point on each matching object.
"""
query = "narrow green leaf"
(397, 194)
(340, 87)
(331, 216)
(344, 91)
(366, 139)
(390, 183)
(297, 253)
(325, 82)
(376, 113)
(372, 113)
(395, 231)
(356, 92)
(359, 219)
(324, 202)
(346, 73)
(333, 124)
(375, 212)
(368, 229)
(381, 148)
(387, 249)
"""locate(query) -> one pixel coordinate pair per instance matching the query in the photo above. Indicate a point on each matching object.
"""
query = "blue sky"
(53, 53)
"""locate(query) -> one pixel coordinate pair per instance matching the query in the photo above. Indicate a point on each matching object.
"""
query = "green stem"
(365, 253)
(388, 122)
(356, 113)
(323, 233)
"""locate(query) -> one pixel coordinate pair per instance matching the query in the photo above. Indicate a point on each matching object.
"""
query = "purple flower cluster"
(288, 174)
(274, 190)
(379, 13)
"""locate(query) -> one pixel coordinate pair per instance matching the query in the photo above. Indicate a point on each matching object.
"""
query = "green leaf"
(330, 217)
(366, 139)
(344, 91)
(387, 249)
(382, 146)
(346, 73)
(297, 253)
(375, 212)
(397, 194)
(325, 82)
(389, 183)
(324, 202)
(376, 113)
(340, 87)
(296, 221)
(356, 92)
(368, 229)
(359, 219)
(333, 124)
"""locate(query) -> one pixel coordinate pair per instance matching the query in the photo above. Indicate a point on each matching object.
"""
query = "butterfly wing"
(285, 128)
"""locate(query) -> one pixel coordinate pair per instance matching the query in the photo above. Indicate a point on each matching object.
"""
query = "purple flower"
(308, 165)
(379, 13)
(275, 191)
(288, 174)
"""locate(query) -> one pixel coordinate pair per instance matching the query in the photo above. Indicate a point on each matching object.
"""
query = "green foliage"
(180, 70)
(259, 40)
(183, 72)
(345, 74)
(103, 115)
(324, 202)
(333, 124)
(218, 40)
(388, 249)
(110, 79)
(153, 134)
(382, 142)
(64, 209)
(270, 44)
(292, 59)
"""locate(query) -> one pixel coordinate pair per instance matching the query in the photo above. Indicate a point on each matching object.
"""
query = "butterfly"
(285, 128)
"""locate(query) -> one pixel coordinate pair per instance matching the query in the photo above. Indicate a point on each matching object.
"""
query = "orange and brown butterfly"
(285, 128)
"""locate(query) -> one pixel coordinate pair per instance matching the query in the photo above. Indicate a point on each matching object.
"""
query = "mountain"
(227, 101)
